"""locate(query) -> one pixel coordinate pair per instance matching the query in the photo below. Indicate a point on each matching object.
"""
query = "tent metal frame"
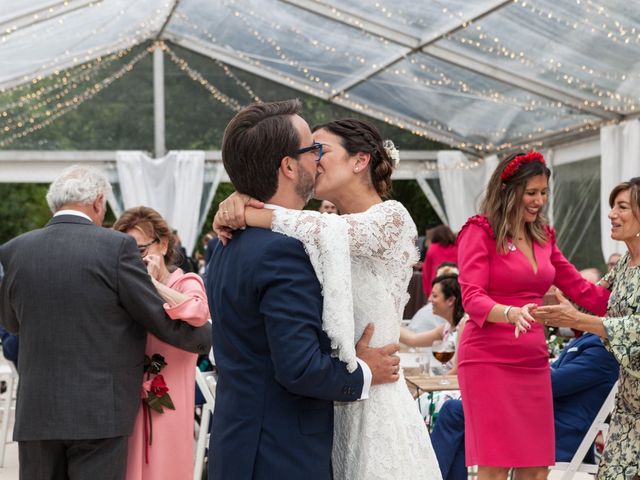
(340, 93)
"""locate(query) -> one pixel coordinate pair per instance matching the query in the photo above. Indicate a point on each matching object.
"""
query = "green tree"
(23, 207)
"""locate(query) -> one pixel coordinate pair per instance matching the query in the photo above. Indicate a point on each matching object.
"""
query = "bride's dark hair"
(362, 136)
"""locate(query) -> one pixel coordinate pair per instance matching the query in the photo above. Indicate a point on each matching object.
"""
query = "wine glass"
(424, 360)
(443, 351)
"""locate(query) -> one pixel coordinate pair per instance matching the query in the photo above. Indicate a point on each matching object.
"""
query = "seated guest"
(581, 379)
(424, 319)
(10, 346)
(446, 300)
(161, 445)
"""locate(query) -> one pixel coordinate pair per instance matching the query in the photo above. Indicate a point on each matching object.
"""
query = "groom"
(277, 381)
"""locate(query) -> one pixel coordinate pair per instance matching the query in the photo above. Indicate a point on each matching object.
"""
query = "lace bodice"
(368, 253)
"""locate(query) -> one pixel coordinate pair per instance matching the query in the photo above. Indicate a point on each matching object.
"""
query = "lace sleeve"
(324, 237)
(385, 232)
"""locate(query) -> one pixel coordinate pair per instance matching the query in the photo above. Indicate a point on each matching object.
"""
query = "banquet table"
(425, 387)
(420, 383)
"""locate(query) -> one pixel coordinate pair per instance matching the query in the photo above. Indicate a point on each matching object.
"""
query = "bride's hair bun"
(362, 136)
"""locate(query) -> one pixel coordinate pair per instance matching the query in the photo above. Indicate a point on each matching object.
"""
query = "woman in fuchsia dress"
(508, 259)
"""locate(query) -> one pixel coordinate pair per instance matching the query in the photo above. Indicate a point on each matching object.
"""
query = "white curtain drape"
(619, 161)
(172, 185)
(462, 187)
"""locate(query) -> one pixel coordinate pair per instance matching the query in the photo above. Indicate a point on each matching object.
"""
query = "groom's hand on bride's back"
(383, 362)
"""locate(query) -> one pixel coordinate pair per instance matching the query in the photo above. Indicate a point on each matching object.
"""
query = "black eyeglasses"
(314, 146)
(144, 249)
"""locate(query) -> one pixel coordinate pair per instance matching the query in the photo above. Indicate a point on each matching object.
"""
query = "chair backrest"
(598, 425)
(207, 384)
(206, 381)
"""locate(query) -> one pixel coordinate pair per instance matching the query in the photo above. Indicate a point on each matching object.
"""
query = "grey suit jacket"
(82, 302)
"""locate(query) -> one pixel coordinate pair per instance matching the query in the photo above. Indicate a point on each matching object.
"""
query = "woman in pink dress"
(508, 259)
(170, 455)
(442, 248)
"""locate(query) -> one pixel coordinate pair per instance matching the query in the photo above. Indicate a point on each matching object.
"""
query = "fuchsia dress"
(171, 454)
(505, 381)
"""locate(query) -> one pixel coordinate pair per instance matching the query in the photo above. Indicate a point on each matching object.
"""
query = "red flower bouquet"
(155, 395)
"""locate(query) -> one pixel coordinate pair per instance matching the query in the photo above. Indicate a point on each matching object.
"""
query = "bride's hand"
(230, 215)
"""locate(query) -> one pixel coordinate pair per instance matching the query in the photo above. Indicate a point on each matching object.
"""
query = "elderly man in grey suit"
(82, 302)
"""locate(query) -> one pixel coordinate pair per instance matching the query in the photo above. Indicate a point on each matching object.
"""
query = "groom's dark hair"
(255, 142)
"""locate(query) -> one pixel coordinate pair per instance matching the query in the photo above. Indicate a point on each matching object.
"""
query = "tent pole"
(158, 101)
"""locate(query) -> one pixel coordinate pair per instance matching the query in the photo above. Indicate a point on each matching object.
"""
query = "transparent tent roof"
(482, 76)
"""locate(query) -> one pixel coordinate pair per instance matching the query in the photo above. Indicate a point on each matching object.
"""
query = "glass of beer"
(443, 352)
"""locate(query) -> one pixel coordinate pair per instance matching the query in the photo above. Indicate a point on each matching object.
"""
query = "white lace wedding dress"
(370, 255)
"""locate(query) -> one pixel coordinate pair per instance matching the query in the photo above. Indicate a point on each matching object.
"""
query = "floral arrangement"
(392, 151)
(513, 166)
(155, 395)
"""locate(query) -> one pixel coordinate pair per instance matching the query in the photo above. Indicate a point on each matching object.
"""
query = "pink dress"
(505, 382)
(436, 254)
(171, 454)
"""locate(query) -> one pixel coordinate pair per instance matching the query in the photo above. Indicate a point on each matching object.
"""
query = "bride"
(363, 260)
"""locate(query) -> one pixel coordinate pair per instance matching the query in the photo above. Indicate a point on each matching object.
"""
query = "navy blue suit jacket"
(581, 379)
(277, 382)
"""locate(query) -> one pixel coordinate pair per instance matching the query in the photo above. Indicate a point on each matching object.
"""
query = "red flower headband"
(513, 166)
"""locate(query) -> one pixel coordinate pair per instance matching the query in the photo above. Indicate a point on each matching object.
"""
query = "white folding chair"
(9, 375)
(599, 425)
(207, 384)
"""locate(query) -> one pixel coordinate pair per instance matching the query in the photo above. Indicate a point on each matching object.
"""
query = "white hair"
(77, 184)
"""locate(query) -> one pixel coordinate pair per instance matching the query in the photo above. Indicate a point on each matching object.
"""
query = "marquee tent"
(485, 77)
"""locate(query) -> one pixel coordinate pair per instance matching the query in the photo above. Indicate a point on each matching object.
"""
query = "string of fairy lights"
(415, 126)
(550, 111)
(23, 117)
(37, 99)
(564, 71)
(93, 20)
(316, 59)
(34, 124)
(196, 76)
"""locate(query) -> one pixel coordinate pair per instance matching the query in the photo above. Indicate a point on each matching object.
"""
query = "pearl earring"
(356, 169)
(638, 234)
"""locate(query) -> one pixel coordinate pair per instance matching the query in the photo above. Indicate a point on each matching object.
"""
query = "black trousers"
(102, 459)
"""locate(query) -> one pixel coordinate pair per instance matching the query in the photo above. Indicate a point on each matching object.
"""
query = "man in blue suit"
(581, 378)
(277, 380)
